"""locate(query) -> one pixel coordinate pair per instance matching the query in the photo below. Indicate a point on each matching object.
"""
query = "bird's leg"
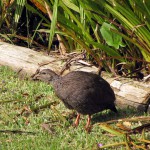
(76, 123)
(88, 127)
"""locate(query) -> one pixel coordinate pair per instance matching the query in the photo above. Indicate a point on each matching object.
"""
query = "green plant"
(79, 25)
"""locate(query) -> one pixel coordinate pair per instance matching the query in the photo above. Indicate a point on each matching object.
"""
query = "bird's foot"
(88, 128)
(76, 123)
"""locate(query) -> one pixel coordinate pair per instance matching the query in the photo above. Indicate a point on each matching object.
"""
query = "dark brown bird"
(87, 93)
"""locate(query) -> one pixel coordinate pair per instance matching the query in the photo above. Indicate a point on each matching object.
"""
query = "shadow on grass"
(109, 115)
(17, 132)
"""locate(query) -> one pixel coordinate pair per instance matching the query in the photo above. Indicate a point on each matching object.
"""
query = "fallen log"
(129, 93)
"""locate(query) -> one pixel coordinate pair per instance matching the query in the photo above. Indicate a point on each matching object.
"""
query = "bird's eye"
(43, 73)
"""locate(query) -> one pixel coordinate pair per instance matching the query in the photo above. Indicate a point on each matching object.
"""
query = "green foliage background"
(80, 24)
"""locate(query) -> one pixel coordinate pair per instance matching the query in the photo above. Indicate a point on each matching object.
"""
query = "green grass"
(16, 94)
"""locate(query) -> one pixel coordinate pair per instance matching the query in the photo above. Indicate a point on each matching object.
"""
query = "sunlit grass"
(17, 95)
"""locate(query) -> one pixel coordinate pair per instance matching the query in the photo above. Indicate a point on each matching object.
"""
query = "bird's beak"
(35, 77)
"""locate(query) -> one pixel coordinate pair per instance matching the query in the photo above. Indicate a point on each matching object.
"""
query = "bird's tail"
(113, 108)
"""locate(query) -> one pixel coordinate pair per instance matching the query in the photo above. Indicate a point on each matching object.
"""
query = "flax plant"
(80, 25)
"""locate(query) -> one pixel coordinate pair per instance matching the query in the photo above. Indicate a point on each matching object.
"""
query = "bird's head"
(46, 75)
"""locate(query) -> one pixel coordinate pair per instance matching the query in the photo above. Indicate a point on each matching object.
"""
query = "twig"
(128, 119)
(70, 60)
